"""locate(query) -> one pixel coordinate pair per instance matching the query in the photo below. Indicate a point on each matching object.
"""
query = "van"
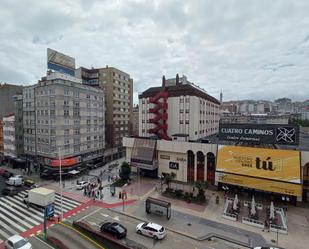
(14, 181)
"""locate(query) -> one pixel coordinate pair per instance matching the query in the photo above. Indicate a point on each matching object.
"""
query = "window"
(180, 121)
(66, 132)
(66, 92)
(66, 113)
(187, 121)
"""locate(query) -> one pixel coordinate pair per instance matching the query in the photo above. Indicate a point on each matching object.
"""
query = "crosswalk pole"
(60, 178)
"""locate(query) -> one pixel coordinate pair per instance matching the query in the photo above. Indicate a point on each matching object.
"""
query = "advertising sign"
(260, 133)
(173, 165)
(60, 62)
(262, 184)
(64, 162)
(266, 169)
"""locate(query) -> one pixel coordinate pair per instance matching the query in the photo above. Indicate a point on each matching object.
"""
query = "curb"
(202, 238)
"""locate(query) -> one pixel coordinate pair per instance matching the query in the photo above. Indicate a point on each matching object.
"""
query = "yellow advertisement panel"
(280, 165)
(261, 184)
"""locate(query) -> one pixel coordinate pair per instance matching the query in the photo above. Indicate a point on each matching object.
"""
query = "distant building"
(177, 110)
(135, 121)
(254, 119)
(7, 91)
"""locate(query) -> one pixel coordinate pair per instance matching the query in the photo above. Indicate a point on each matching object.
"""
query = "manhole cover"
(189, 224)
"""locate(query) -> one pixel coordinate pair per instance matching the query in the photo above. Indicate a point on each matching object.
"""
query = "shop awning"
(143, 151)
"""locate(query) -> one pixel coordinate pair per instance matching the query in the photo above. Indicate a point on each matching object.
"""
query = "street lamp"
(60, 181)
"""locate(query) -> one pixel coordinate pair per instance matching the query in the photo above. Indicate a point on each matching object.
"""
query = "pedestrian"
(63, 184)
(265, 225)
(85, 191)
(27, 204)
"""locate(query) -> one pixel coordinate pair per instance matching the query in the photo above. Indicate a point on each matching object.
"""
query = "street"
(95, 217)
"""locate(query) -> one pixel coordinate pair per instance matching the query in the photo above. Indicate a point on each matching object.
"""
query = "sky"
(248, 49)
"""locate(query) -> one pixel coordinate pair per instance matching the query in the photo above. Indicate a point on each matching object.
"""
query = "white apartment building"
(179, 111)
(9, 136)
(61, 112)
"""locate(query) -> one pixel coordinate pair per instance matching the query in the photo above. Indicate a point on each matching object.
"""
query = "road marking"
(43, 242)
(93, 223)
(72, 228)
(93, 212)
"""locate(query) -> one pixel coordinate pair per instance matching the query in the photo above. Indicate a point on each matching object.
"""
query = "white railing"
(279, 229)
(281, 212)
(229, 216)
(226, 205)
(252, 222)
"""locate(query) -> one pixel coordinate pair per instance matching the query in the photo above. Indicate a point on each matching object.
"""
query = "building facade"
(177, 110)
(135, 125)
(287, 172)
(7, 91)
(9, 145)
(19, 127)
(118, 87)
(61, 115)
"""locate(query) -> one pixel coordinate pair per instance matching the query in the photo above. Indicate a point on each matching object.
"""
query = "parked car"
(14, 181)
(29, 183)
(2, 171)
(81, 185)
(151, 229)
(114, 228)
(10, 191)
(7, 174)
(17, 242)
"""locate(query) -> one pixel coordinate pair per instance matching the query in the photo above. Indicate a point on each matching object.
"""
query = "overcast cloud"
(249, 49)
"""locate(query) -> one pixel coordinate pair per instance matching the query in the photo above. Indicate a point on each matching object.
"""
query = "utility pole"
(60, 181)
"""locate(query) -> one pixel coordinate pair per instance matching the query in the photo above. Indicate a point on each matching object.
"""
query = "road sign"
(49, 210)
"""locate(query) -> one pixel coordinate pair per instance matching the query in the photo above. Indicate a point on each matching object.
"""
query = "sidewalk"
(207, 219)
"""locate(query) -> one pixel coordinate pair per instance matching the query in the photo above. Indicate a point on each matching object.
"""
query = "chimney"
(177, 79)
(163, 81)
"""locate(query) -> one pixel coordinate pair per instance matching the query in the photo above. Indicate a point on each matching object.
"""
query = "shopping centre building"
(258, 165)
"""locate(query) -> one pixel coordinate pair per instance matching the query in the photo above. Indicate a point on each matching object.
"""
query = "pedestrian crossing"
(16, 217)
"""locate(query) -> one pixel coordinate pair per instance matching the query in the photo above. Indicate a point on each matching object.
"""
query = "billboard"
(260, 133)
(60, 62)
(265, 169)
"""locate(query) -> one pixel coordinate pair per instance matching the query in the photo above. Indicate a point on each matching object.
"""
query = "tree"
(125, 171)
(201, 186)
(168, 179)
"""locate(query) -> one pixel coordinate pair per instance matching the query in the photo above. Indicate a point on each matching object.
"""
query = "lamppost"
(60, 181)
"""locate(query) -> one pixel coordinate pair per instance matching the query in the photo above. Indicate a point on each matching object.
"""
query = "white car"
(151, 229)
(82, 184)
(17, 242)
